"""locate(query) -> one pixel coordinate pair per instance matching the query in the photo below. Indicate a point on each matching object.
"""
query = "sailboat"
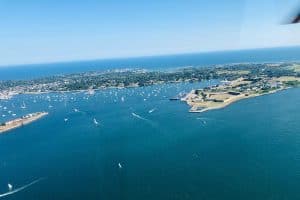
(120, 166)
(91, 92)
(23, 106)
(10, 187)
(96, 122)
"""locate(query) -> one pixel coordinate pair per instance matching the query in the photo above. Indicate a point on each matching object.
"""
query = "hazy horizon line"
(142, 56)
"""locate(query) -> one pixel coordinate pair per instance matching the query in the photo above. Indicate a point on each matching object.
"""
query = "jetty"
(19, 122)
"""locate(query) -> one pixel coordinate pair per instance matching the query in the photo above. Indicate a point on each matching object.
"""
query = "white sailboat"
(23, 106)
(120, 166)
(10, 187)
(91, 92)
(96, 122)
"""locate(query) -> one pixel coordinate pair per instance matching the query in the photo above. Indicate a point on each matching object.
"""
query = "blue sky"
(38, 31)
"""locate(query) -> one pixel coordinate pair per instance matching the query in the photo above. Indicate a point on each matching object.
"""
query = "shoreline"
(194, 108)
(90, 82)
(87, 90)
(19, 122)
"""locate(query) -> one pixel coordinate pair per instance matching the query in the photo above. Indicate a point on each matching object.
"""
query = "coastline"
(94, 81)
(7, 97)
(19, 122)
(194, 107)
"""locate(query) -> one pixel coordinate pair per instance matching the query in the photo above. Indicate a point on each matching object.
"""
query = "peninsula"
(7, 126)
(220, 96)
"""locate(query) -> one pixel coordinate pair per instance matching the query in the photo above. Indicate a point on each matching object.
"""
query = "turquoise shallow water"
(249, 150)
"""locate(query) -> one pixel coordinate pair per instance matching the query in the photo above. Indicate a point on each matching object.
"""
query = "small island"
(27, 119)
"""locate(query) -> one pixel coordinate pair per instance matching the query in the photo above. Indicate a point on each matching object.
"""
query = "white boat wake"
(152, 110)
(203, 119)
(139, 117)
(20, 188)
(147, 121)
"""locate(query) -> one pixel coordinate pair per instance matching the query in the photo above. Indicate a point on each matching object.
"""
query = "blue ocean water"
(155, 62)
(248, 150)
